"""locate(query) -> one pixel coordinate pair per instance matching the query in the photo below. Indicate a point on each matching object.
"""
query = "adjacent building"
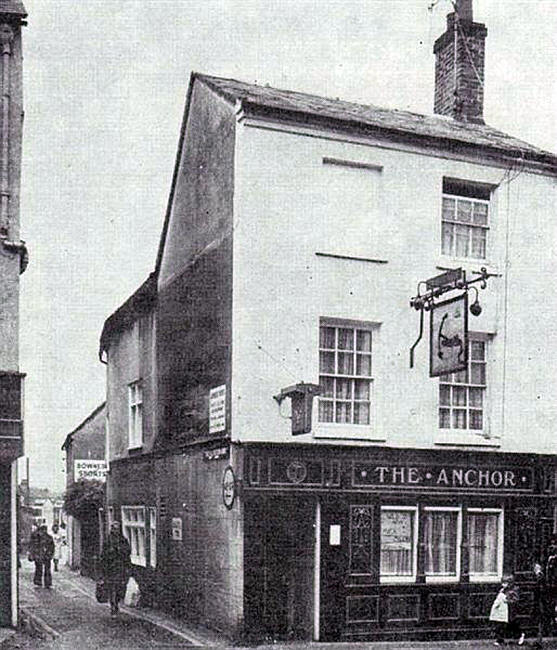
(298, 228)
(85, 449)
(13, 260)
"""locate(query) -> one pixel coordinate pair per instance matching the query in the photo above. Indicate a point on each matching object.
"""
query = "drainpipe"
(6, 38)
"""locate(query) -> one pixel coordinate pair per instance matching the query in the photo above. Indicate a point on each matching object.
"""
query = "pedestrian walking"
(41, 551)
(115, 566)
(59, 542)
(503, 613)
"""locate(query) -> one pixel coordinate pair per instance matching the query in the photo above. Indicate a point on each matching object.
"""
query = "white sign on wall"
(217, 409)
(177, 529)
(85, 469)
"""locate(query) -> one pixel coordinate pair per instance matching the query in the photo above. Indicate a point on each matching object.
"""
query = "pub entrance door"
(279, 567)
(349, 598)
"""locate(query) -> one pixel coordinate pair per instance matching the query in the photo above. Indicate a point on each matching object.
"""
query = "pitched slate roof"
(12, 7)
(70, 435)
(138, 304)
(309, 108)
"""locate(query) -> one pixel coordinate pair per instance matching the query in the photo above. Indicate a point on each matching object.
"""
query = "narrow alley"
(69, 614)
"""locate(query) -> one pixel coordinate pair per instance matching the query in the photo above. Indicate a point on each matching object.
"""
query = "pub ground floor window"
(440, 529)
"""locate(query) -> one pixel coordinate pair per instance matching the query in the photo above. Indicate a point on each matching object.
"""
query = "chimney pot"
(464, 10)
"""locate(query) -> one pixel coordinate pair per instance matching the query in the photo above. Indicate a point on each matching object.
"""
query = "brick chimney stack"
(459, 66)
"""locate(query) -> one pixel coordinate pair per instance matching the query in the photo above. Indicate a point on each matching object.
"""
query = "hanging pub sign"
(448, 325)
(448, 349)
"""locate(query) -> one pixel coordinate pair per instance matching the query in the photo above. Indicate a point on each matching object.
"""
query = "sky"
(104, 91)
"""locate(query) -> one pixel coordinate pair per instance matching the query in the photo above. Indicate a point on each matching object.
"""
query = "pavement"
(68, 617)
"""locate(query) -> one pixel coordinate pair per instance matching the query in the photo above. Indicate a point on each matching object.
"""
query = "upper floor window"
(135, 414)
(462, 394)
(345, 374)
(465, 219)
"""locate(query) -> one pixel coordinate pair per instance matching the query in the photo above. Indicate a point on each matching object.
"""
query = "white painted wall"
(290, 205)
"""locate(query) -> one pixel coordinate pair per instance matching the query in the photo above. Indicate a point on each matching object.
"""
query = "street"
(69, 617)
(76, 620)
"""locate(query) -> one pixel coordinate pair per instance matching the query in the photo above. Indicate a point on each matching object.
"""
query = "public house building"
(298, 229)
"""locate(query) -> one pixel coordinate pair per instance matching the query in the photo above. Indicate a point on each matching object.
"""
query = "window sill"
(485, 579)
(396, 580)
(138, 561)
(346, 432)
(441, 579)
(466, 438)
(136, 449)
(469, 264)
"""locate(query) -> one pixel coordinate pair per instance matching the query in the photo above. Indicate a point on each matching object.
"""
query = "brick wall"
(459, 72)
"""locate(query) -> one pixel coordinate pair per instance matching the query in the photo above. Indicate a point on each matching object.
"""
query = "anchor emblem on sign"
(296, 472)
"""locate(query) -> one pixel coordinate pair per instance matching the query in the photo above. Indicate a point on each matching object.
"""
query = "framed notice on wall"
(217, 409)
(177, 529)
(396, 530)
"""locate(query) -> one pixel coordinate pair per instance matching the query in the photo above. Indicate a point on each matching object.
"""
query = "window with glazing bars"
(344, 374)
(464, 226)
(462, 394)
(135, 414)
(133, 527)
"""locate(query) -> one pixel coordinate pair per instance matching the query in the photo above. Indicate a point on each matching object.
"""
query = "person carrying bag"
(115, 566)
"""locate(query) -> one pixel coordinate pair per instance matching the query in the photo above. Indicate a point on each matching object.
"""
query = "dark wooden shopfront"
(328, 584)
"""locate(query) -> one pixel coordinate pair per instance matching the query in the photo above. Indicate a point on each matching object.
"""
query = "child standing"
(503, 612)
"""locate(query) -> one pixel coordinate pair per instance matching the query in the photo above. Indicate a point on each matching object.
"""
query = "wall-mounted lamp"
(301, 396)
(475, 307)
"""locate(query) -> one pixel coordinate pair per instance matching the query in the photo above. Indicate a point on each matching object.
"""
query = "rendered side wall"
(195, 283)
(130, 359)
(87, 443)
(198, 577)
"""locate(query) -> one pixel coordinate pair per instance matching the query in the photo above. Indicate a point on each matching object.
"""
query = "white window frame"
(135, 414)
(434, 577)
(470, 436)
(129, 523)
(391, 579)
(152, 537)
(470, 225)
(345, 430)
(481, 577)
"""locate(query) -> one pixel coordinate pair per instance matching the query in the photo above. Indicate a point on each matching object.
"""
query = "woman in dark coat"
(115, 566)
(41, 551)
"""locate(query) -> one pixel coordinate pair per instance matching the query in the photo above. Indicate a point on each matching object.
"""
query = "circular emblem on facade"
(296, 472)
(6, 34)
(228, 487)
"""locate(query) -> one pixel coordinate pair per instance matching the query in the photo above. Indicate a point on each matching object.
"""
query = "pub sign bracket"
(448, 331)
